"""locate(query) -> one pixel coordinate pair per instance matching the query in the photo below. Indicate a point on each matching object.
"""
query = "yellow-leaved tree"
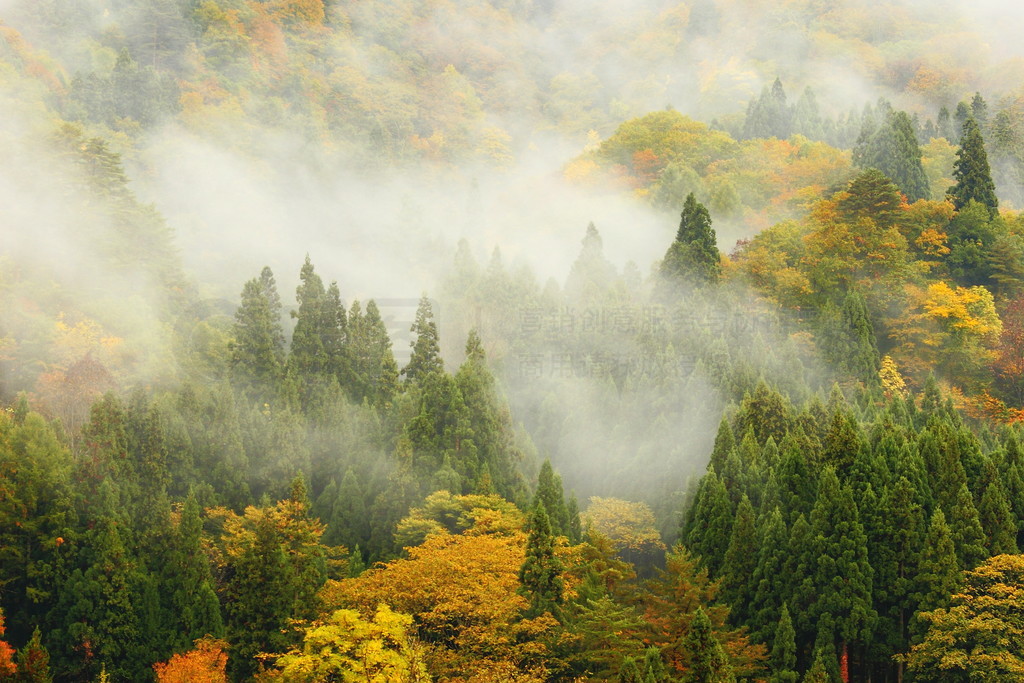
(347, 648)
(951, 329)
(463, 594)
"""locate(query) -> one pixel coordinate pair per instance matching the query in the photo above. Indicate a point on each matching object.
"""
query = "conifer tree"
(98, 604)
(591, 274)
(893, 149)
(313, 326)
(725, 441)
(979, 110)
(997, 520)
(740, 561)
(426, 348)
(707, 660)
(972, 173)
(693, 257)
(783, 662)
(968, 536)
(194, 597)
(575, 531)
(769, 115)
(944, 123)
(541, 573)
(258, 605)
(551, 496)
(34, 661)
(709, 531)
(938, 571)
(897, 544)
(654, 667)
(257, 352)
(770, 583)
(382, 367)
(843, 575)
(818, 673)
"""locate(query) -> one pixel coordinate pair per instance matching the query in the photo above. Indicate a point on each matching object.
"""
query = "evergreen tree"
(725, 441)
(997, 519)
(843, 576)
(257, 352)
(551, 496)
(972, 173)
(541, 573)
(708, 662)
(311, 338)
(895, 547)
(807, 120)
(575, 531)
(938, 571)
(708, 534)
(783, 659)
(769, 115)
(195, 601)
(979, 110)
(740, 562)
(98, 602)
(892, 149)
(592, 274)
(654, 667)
(818, 673)
(968, 536)
(381, 366)
(770, 583)
(426, 348)
(34, 661)
(258, 601)
(629, 672)
(944, 123)
(693, 256)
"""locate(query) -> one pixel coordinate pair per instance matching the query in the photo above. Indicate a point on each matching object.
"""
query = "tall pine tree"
(972, 173)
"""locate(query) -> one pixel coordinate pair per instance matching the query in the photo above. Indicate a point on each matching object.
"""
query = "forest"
(511, 341)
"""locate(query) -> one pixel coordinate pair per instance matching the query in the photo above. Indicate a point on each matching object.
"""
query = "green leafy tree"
(980, 637)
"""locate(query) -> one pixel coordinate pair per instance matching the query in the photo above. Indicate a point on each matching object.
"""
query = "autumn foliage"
(205, 664)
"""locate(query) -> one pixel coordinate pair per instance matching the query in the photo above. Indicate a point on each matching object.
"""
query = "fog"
(545, 74)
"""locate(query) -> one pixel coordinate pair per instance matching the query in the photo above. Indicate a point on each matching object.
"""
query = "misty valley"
(511, 341)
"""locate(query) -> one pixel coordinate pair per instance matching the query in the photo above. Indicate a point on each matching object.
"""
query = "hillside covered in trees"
(481, 341)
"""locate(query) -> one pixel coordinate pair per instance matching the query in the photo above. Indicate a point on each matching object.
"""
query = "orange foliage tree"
(671, 604)
(7, 665)
(205, 664)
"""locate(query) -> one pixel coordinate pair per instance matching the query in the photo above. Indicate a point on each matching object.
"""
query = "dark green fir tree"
(972, 173)
(693, 257)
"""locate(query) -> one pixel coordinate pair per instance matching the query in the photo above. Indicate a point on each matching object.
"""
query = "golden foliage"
(462, 592)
